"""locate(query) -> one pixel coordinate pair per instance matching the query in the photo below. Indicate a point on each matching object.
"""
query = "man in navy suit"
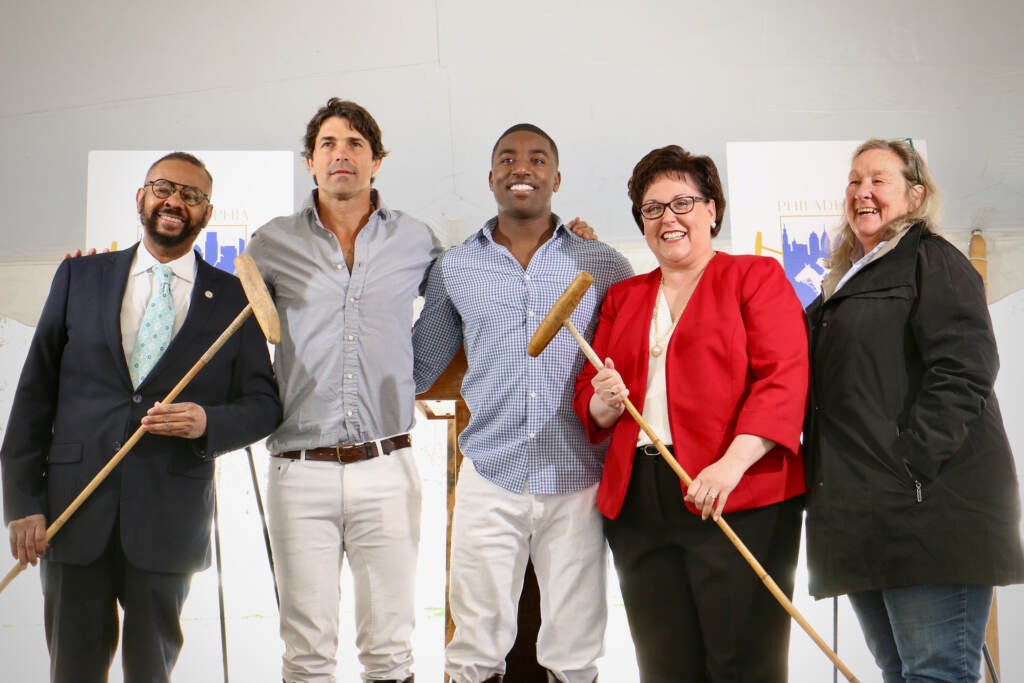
(140, 536)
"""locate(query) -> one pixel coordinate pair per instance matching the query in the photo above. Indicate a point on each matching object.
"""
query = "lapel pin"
(208, 294)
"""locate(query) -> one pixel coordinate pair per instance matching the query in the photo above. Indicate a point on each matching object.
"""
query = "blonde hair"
(915, 172)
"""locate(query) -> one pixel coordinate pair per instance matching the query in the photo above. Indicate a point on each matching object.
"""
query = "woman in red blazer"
(712, 349)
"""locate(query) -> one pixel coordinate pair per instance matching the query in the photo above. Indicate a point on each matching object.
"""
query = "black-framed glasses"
(679, 205)
(190, 194)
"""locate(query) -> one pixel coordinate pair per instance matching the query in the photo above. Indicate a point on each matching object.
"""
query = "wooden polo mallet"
(557, 318)
(261, 305)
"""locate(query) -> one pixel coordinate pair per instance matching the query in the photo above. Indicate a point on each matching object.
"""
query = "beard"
(188, 232)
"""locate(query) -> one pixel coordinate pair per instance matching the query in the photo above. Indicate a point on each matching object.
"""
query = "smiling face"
(342, 161)
(679, 242)
(877, 194)
(170, 226)
(524, 175)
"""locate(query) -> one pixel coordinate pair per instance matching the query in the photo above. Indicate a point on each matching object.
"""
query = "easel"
(521, 662)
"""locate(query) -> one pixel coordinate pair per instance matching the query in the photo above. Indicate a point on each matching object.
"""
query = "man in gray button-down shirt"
(344, 272)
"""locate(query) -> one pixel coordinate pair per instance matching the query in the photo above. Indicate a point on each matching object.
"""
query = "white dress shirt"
(140, 284)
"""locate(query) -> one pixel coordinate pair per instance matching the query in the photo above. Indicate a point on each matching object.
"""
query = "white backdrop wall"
(609, 80)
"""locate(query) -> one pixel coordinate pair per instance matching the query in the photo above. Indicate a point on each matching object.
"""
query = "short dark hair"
(182, 156)
(674, 161)
(529, 128)
(357, 117)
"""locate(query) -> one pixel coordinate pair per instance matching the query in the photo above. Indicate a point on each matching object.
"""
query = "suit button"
(137, 398)
(824, 323)
(116, 445)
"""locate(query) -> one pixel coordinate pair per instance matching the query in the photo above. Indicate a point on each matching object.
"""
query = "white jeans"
(494, 532)
(369, 511)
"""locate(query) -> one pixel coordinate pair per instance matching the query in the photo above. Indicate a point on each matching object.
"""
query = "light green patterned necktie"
(157, 326)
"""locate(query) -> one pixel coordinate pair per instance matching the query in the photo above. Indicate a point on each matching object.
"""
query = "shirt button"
(533, 394)
(532, 435)
(529, 314)
(526, 277)
(349, 413)
(339, 266)
(348, 376)
(351, 337)
(353, 299)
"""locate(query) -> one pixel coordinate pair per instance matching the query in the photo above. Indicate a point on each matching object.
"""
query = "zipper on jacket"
(918, 489)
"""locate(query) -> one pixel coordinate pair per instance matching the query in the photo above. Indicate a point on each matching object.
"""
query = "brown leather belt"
(348, 453)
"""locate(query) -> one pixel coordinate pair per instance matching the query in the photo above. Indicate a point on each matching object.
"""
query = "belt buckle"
(340, 451)
(650, 450)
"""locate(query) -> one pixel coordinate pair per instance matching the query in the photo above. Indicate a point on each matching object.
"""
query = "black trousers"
(697, 611)
(81, 619)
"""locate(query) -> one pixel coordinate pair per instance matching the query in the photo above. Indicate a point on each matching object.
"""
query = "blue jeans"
(925, 633)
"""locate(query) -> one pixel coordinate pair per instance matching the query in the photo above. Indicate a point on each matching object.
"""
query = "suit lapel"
(112, 283)
(204, 301)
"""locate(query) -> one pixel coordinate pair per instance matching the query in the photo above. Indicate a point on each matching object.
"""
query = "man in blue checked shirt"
(528, 486)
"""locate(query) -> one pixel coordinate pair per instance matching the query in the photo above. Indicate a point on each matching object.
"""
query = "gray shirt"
(345, 363)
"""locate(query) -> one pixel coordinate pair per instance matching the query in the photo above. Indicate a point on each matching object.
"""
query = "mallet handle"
(72, 508)
(766, 578)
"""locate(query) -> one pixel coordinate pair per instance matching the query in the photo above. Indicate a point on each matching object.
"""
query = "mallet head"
(259, 297)
(559, 313)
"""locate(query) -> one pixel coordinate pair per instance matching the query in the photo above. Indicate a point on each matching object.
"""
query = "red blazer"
(736, 364)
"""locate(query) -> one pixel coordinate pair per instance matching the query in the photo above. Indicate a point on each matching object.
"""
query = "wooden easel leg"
(992, 640)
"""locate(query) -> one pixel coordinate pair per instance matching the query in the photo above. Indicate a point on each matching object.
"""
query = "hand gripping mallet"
(557, 318)
(261, 305)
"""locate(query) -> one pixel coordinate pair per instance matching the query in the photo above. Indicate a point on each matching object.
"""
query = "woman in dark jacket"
(913, 507)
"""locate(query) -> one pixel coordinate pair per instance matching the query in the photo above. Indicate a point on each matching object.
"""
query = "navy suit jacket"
(75, 406)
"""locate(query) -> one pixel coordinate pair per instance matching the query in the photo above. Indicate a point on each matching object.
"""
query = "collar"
(183, 267)
(556, 223)
(310, 204)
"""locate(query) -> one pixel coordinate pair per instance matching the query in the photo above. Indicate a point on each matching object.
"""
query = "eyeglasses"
(163, 189)
(680, 205)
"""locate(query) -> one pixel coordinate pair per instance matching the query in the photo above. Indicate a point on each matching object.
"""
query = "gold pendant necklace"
(659, 339)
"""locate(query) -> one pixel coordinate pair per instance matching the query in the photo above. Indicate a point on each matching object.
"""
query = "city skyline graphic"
(220, 244)
(805, 246)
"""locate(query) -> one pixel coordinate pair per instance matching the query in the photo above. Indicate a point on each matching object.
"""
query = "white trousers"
(494, 533)
(369, 511)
